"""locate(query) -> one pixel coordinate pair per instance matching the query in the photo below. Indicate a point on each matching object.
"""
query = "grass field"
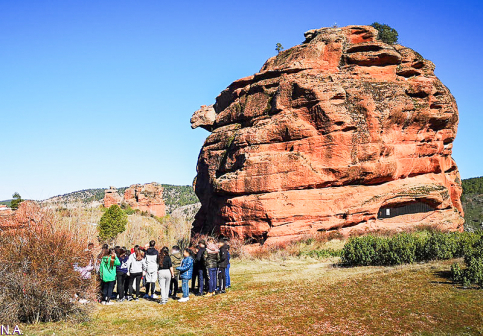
(302, 297)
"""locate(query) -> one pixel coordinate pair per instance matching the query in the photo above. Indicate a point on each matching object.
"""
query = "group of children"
(208, 261)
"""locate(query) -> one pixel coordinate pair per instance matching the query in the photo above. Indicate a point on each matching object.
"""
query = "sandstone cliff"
(145, 197)
(342, 132)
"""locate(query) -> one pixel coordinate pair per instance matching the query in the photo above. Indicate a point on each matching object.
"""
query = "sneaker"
(103, 302)
(136, 299)
(110, 303)
(184, 299)
(146, 296)
(154, 296)
(121, 300)
(198, 294)
(129, 298)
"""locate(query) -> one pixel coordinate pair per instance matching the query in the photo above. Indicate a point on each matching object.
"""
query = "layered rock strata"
(343, 132)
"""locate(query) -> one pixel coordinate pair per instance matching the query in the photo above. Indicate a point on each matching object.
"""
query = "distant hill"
(472, 200)
(6, 202)
(174, 196)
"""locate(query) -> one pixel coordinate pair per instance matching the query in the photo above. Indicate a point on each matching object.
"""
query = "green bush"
(386, 33)
(440, 246)
(473, 273)
(407, 248)
(112, 222)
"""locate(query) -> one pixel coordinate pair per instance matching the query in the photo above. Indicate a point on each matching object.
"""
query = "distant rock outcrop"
(111, 197)
(147, 198)
(342, 132)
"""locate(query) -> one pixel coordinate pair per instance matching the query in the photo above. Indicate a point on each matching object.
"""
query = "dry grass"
(302, 296)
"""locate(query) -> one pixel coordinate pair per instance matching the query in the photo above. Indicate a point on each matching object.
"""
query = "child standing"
(107, 272)
(185, 273)
(121, 273)
(176, 258)
(135, 269)
(228, 280)
(211, 257)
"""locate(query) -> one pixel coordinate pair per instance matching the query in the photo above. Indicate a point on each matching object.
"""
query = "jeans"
(107, 288)
(121, 279)
(186, 288)
(201, 282)
(212, 283)
(227, 273)
(137, 277)
(164, 280)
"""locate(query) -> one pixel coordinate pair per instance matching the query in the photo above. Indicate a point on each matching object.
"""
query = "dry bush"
(166, 231)
(37, 278)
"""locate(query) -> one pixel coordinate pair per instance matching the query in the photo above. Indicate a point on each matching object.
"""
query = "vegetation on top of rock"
(278, 47)
(15, 202)
(387, 34)
(112, 223)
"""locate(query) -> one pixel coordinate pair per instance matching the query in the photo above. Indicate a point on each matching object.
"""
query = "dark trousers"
(174, 285)
(221, 278)
(126, 285)
(107, 288)
(150, 285)
(137, 277)
(121, 279)
(193, 278)
(201, 279)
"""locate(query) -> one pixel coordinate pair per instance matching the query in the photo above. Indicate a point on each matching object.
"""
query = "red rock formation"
(28, 215)
(340, 133)
(5, 211)
(111, 197)
(147, 198)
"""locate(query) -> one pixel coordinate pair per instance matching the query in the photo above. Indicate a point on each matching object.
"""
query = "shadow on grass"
(446, 275)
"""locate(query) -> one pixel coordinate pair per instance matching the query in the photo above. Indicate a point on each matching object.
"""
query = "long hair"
(139, 254)
(164, 253)
(113, 258)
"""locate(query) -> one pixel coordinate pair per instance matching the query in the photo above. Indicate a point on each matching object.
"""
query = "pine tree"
(17, 199)
(112, 223)
(278, 47)
(386, 33)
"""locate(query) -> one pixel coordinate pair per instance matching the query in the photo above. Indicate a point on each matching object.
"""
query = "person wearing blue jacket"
(185, 274)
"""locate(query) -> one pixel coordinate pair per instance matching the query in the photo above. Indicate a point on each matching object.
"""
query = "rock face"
(342, 132)
(147, 198)
(5, 211)
(111, 197)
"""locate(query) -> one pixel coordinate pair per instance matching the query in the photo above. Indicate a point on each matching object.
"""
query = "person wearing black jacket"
(200, 267)
(222, 264)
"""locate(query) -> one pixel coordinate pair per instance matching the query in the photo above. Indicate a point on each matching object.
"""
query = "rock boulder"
(343, 132)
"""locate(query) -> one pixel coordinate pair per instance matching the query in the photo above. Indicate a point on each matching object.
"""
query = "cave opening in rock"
(403, 209)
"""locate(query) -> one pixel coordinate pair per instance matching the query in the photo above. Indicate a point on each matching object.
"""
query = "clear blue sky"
(99, 93)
